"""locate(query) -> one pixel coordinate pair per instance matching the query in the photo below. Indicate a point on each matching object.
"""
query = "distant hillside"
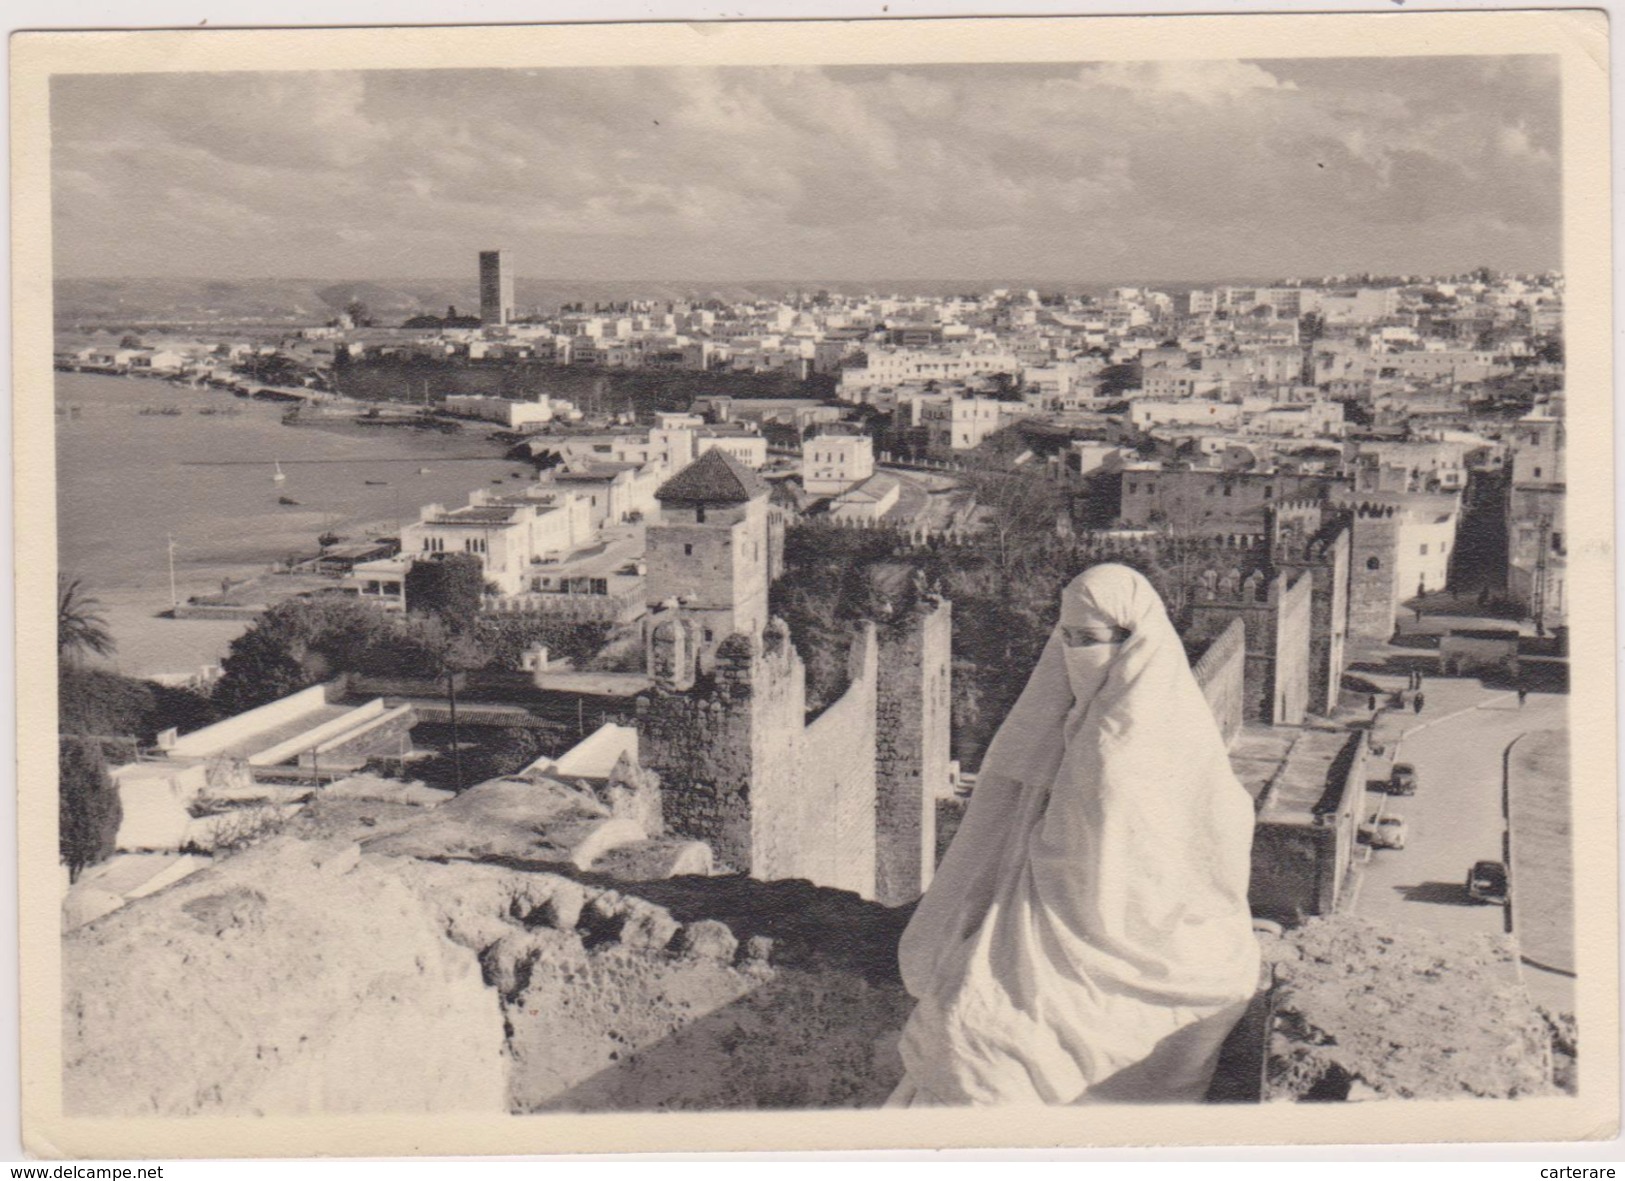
(93, 302)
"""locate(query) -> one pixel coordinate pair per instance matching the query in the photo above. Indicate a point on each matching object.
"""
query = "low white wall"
(211, 740)
(282, 752)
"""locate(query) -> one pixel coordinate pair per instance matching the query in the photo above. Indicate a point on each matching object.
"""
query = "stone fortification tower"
(729, 753)
(1374, 590)
(710, 553)
(913, 707)
(1308, 537)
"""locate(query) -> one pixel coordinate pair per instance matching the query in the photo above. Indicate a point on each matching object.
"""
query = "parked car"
(1388, 832)
(1402, 780)
(1487, 882)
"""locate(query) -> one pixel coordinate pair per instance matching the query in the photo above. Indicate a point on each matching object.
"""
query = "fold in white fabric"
(1087, 937)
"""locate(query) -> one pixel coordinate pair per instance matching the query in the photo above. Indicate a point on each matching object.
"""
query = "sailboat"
(279, 477)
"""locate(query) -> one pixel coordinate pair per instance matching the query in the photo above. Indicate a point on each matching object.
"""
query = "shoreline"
(131, 485)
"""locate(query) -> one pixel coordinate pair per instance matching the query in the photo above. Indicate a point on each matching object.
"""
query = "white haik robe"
(1087, 937)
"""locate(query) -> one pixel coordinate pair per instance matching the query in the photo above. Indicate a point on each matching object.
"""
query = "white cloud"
(1203, 81)
(840, 171)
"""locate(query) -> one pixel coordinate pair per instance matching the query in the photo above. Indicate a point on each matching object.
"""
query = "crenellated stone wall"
(1275, 617)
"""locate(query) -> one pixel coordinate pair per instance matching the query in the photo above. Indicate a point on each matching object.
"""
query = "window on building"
(707, 634)
(1424, 549)
(1537, 473)
(1133, 488)
(688, 551)
(1269, 491)
(1373, 563)
(1228, 490)
(699, 515)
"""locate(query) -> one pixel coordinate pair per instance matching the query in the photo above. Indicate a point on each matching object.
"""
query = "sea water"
(128, 482)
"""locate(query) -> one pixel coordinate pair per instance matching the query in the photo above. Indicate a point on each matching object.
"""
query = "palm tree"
(81, 628)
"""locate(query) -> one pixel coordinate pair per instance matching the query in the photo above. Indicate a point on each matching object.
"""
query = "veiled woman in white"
(1087, 937)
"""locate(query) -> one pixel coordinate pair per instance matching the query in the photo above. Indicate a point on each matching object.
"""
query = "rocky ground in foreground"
(1364, 1011)
(339, 968)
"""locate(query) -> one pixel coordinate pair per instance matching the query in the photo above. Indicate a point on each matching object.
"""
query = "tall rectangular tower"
(711, 549)
(913, 706)
(496, 288)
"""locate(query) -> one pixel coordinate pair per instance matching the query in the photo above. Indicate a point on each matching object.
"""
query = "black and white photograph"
(818, 582)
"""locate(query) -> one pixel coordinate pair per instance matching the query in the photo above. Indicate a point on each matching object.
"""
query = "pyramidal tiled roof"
(716, 477)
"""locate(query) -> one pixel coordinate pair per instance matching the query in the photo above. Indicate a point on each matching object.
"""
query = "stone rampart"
(1220, 671)
(835, 841)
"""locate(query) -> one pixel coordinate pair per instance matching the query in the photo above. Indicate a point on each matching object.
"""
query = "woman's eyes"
(1076, 638)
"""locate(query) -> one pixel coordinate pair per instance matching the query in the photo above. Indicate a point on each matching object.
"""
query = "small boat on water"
(423, 471)
(375, 481)
(280, 475)
(286, 500)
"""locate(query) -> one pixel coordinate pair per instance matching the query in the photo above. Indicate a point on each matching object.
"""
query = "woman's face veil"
(1096, 614)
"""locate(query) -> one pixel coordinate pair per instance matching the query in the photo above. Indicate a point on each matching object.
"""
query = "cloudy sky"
(1089, 172)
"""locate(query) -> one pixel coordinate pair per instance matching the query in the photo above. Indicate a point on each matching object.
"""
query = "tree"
(451, 589)
(504, 639)
(360, 315)
(88, 808)
(1020, 511)
(296, 644)
(95, 701)
(81, 629)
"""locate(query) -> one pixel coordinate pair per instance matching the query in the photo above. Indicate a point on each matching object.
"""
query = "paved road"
(1455, 817)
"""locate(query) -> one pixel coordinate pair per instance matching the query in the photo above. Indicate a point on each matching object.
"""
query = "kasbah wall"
(1291, 597)
(833, 801)
(1275, 618)
(837, 795)
(1220, 671)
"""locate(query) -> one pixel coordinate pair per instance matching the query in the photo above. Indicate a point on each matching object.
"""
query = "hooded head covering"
(1089, 924)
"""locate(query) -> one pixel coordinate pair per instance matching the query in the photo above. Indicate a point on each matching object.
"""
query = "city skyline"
(1090, 172)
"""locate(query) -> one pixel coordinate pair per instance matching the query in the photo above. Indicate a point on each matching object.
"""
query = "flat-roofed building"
(508, 534)
(830, 464)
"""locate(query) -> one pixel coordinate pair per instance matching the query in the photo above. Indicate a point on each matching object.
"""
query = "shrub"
(88, 808)
(297, 644)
